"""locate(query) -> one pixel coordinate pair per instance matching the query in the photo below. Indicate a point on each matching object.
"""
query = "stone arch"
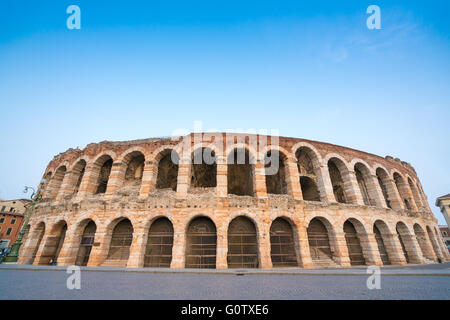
(158, 252)
(308, 165)
(276, 175)
(404, 236)
(282, 245)
(102, 170)
(86, 241)
(201, 243)
(354, 231)
(339, 179)
(242, 243)
(402, 190)
(120, 243)
(78, 171)
(422, 240)
(382, 233)
(53, 243)
(134, 162)
(415, 193)
(167, 162)
(434, 242)
(37, 233)
(383, 181)
(319, 232)
(56, 181)
(365, 183)
(240, 172)
(203, 168)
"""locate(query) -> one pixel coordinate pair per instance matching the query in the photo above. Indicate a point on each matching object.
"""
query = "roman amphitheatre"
(147, 204)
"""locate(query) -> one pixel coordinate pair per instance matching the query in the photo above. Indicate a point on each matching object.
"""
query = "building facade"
(11, 218)
(151, 203)
(444, 204)
(445, 232)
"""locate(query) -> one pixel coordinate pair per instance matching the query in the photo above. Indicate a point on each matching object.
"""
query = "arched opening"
(203, 168)
(53, 245)
(158, 253)
(355, 252)
(275, 169)
(105, 163)
(422, 240)
(240, 173)
(38, 234)
(401, 187)
(45, 185)
(201, 244)
(382, 178)
(319, 242)
(135, 168)
(434, 241)
(86, 243)
(336, 180)
(309, 189)
(119, 248)
(168, 170)
(282, 246)
(242, 244)
(56, 181)
(415, 193)
(381, 246)
(402, 232)
(308, 174)
(78, 171)
(362, 177)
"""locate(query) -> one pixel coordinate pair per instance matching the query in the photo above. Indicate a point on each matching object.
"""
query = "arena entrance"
(119, 248)
(201, 244)
(319, 243)
(242, 244)
(53, 244)
(282, 247)
(158, 253)
(87, 240)
(381, 247)
(353, 244)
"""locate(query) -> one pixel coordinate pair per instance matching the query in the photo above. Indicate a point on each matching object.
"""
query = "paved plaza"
(39, 282)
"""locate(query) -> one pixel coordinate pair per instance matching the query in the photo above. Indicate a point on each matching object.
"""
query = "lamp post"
(14, 254)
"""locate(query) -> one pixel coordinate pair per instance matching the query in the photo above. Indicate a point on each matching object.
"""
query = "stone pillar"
(412, 248)
(116, 179)
(293, 181)
(178, 249)
(405, 192)
(370, 249)
(264, 248)
(183, 180)
(222, 248)
(222, 179)
(416, 197)
(324, 184)
(137, 249)
(99, 253)
(393, 195)
(27, 250)
(436, 248)
(149, 177)
(303, 243)
(376, 192)
(351, 187)
(340, 251)
(393, 249)
(48, 241)
(67, 185)
(68, 254)
(88, 185)
(260, 180)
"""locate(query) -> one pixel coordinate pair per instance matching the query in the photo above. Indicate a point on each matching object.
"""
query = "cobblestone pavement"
(412, 282)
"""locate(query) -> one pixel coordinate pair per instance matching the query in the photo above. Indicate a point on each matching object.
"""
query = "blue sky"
(140, 69)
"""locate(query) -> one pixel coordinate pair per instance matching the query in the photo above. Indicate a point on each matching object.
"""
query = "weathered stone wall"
(71, 201)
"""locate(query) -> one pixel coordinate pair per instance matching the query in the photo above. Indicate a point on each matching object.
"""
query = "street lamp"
(14, 254)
